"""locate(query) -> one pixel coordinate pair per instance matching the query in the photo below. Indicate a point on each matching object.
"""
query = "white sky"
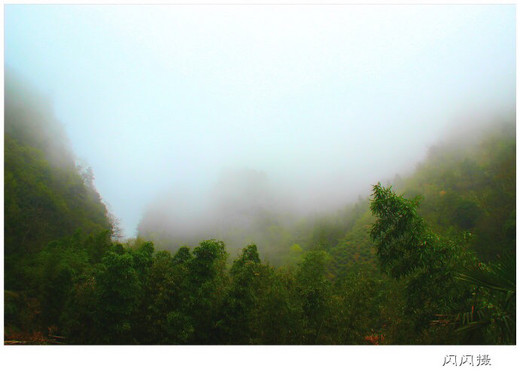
(327, 100)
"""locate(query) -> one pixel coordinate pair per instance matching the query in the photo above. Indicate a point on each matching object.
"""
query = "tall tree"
(409, 250)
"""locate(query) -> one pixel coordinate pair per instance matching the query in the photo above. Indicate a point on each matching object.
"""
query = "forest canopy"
(425, 259)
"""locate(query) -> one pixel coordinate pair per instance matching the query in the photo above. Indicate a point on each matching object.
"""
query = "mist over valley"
(268, 174)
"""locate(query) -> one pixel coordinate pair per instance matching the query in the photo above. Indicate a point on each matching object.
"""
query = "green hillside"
(47, 196)
(430, 260)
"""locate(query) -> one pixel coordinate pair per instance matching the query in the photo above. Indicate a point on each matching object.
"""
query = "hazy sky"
(325, 99)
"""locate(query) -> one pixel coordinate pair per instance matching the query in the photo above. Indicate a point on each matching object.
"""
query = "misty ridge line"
(326, 102)
(243, 201)
(241, 205)
(233, 175)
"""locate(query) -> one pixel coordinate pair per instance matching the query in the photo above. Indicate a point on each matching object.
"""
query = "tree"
(162, 317)
(241, 302)
(409, 250)
(314, 292)
(119, 290)
(493, 314)
(207, 287)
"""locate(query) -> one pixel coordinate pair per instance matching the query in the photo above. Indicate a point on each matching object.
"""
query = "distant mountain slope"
(470, 186)
(467, 184)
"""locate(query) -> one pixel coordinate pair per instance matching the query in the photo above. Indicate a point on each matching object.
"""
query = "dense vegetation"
(435, 265)
(47, 194)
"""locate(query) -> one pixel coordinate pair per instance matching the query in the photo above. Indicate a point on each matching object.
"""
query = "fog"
(204, 120)
(28, 116)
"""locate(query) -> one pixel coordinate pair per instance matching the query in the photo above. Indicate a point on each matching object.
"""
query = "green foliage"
(207, 285)
(355, 248)
(394, 270)
(409, 250)
(399, 233)
(45, 202)
(119, 291)
(355, 308)
(241, 299)
(46, 196)
(494, 310)
(294, 256)
(208, 261)
(472, 187)
(313, 290)
(183, 255)
(163, 319)
(279, 315)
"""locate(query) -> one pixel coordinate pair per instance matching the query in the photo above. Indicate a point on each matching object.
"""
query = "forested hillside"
(430, 260)
(47, 195)
(469, 185)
